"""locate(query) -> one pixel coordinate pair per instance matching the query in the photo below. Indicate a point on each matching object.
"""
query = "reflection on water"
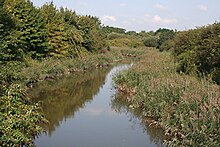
(82, 112)
(120, 105)
(63, 97)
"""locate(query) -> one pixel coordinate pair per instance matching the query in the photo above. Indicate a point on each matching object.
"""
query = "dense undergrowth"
(20, 120)
(186, 107)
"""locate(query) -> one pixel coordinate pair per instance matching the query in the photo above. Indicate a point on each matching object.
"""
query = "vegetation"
(46, 32)
(119, 38)
(35, 44)
(199, 51)
(107, 30)
(187, 108)
(20, 120)
(164, 36)
(40, 43)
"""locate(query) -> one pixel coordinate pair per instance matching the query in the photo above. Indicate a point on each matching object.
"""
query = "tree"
(75, 36)
(164, 35)
(131, 33)
(57, 36)
(107, 30)
(151, 41)
(6, 26)
(94, 39)
(29, 36)
(198, 51)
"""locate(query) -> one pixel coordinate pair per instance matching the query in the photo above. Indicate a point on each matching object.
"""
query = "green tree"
(151, 41)
(198, 51)
(107, 30)
(6, 26)
(75, 36)
(94, 39)
(57, 36)
(132, 33)
(29, 36)
(164, 35)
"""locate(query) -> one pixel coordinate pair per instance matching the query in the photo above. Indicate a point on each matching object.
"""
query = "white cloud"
(107, 18)
(202, 7)
(160, 20)
(160, 7)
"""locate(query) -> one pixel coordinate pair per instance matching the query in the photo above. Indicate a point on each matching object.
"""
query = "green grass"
(186, 107)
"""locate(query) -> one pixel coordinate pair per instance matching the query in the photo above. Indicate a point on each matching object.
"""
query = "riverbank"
(32, 71)
(186, 107)
(17, 111)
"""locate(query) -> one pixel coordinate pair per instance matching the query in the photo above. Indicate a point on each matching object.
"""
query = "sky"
(146, 15)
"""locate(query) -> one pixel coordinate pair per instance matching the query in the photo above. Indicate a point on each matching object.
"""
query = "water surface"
(83, 113)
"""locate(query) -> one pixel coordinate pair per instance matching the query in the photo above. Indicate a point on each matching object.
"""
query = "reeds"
(186, 107)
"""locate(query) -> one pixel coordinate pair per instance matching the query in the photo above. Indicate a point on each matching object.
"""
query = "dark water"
(83, 113)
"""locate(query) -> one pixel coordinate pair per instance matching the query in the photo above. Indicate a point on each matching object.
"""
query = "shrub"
(20, 120)
(150, 41)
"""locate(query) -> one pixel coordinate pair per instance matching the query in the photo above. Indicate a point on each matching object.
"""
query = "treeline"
(26, 30)
(197, 51)
(121, 38)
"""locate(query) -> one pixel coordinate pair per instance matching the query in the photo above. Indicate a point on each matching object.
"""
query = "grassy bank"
(31, 71)
(186, 107)
(21, 120)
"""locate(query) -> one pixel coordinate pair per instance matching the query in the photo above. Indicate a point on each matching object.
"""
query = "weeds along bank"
(21, 120)
(31, 71)
(186, 107)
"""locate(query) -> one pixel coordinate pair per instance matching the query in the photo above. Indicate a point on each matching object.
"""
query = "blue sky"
(146, 15)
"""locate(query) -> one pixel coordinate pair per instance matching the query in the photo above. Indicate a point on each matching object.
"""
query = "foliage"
(75, 36)
(32, 41)
(107, 30)
(164, 35)
(198, 51)
(151, 41)
(29, 35)
(114, 35)
(167, 45)
(126, 42)
(131, 33)
(28, 31)
(20, 120)
(94, 39)
(185, 107)
(55, 25)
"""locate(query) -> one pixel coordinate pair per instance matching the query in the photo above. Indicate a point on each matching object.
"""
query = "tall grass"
(186, 107)
(32, 71)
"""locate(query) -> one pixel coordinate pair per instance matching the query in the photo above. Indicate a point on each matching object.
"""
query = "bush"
(20, 120)
(167, 45)
(126, 42)
(151, 41)
(114, 35)
(199, 48)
